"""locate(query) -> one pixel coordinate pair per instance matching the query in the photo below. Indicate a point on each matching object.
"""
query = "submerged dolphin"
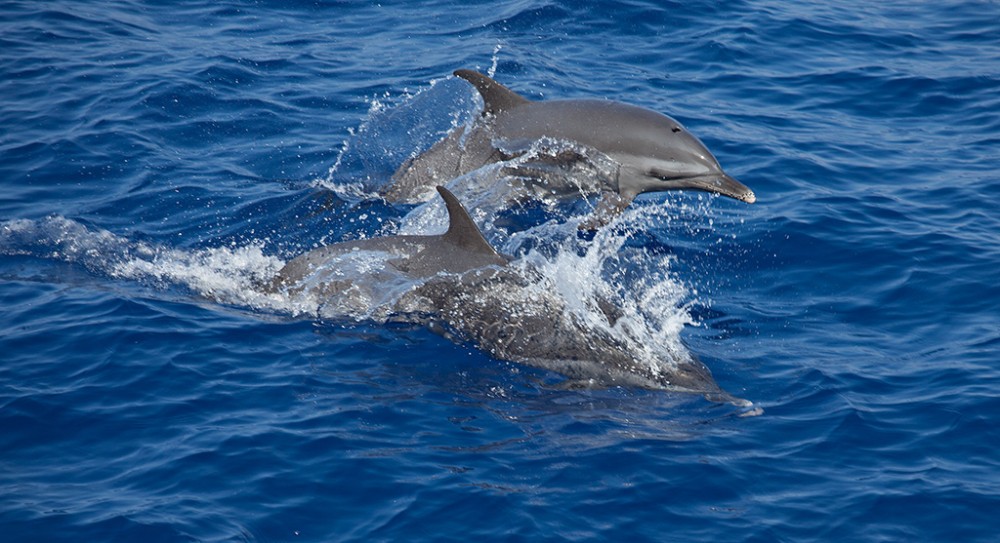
(458, 250)
(468, 291)
(650, 151)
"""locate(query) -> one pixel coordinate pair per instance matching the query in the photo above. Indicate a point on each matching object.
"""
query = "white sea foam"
(230, 275)
(652, 306)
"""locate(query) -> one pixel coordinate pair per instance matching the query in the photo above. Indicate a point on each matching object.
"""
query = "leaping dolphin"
(651, 151)
(470, 292)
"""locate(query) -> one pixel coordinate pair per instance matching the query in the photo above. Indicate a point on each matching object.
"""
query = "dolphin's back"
(601, 124)
(612, 127)
(461, 248)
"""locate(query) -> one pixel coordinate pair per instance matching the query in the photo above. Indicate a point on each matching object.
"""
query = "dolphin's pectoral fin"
(510, 148)
(611, 205)
(543, 165)
(746, 408)
(547, 173)
(496, 97)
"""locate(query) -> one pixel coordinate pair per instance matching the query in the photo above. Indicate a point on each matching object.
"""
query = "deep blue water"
(156, 161)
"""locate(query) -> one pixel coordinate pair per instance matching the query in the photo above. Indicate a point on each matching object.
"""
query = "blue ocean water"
(158, 160)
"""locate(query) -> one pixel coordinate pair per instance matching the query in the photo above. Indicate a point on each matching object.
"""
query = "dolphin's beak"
(729, 186)
(721, 184)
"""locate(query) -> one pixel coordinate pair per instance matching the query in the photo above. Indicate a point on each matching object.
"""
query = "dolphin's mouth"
(725, 185)
(734, 189)
(719, 183)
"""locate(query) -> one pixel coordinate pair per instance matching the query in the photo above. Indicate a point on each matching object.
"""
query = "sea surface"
(159, 162)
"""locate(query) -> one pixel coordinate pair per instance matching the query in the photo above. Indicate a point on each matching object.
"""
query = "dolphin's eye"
(675, 129)
(662, 176)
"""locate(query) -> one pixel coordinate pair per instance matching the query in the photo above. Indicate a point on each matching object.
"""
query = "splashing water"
(651, 306)
(230, 275)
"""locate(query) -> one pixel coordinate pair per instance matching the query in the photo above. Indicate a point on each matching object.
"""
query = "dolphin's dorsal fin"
(462, 231)
(496, 97)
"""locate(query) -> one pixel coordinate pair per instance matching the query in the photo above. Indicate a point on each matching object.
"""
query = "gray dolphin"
(471, 293)
(651, 151)
(460, 249)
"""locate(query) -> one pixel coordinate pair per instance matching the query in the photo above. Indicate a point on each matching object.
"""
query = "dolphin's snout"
(718, 183)
(727, 185)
